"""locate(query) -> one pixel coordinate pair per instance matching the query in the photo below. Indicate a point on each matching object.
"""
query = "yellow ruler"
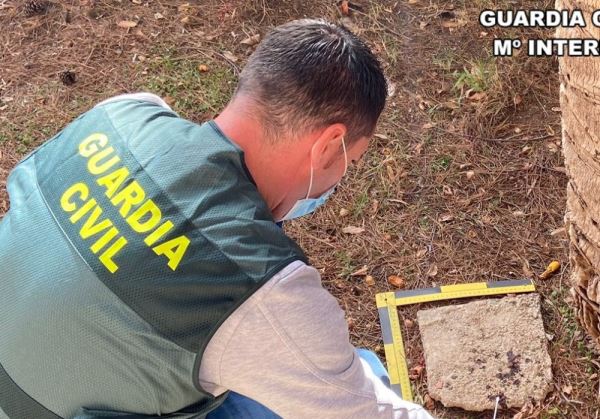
(387, 303)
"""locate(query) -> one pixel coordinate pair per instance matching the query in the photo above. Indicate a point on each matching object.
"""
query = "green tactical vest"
(132, 235)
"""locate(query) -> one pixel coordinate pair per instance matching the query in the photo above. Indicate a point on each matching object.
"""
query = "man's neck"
(273, 169)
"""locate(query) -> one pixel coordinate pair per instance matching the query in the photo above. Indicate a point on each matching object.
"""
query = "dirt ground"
(464, 180)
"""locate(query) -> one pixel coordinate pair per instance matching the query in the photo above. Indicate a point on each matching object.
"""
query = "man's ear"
(326, 147)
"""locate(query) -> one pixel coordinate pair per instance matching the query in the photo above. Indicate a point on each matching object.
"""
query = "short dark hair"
(310, 73)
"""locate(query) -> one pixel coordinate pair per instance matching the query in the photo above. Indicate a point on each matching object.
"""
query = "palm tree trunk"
(580, 105)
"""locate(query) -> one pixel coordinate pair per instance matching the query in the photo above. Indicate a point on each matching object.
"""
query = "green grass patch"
(345, 262)
(441, 164)
(361, 202)
(478, 77)
(22, 138)
(553, 412)
(392, 48)
(445, 60)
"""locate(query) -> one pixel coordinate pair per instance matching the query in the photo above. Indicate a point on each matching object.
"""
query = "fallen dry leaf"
(452, 24)
(446, 218)
(486, 219)
(470, 174)
(472, 234)
(138, 32)
(476, 96)
(352, 230)
(526, 411)
(390, 172)
(203, 68)
(345, 7)
(158, 16)
(127, 24)
(374, 206)
(391, 88)
(416, 370)
(517, 99)
(432, 271)
(361, 272)
(552, 146)
(451, 105)
(169, 100)
(396, 281)
(527, 269)
(344, 212)
(369, 280)
(251, 40)
(418, 148)
(229, 55)
(350, 322)
(552, 268)
(421, 253)
(567, 389)
(409, 323)
(349, 24)
(428, 402)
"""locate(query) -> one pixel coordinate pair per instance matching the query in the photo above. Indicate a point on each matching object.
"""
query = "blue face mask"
(307, 205)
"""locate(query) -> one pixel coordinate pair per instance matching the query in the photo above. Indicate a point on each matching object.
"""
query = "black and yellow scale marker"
(387, 303)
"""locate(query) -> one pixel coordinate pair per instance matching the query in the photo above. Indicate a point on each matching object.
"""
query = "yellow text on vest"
(126, 194)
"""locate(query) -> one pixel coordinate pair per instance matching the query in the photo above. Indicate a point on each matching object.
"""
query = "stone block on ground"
(483, 349)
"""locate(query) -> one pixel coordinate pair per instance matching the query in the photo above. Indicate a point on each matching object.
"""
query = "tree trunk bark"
(580, 105)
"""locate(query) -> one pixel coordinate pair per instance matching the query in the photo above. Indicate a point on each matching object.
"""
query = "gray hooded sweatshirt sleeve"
(288, 348)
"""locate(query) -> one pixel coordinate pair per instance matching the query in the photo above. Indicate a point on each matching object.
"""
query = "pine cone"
(67, 77)
(36, 7)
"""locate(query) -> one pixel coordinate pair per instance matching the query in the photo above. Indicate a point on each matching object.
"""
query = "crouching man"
(142, 270)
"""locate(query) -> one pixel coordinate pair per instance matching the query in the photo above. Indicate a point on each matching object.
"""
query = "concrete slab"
(483, 349)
